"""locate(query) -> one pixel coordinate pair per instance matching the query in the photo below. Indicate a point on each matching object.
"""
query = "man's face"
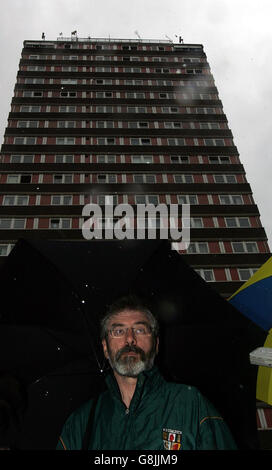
(130, 354)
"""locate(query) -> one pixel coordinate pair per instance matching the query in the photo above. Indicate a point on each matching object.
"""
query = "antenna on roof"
(74, 33)
(168, 38)
(138, 35)
(180, 39)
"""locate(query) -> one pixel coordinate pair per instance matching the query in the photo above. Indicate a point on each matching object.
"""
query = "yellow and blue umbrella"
(254, 298)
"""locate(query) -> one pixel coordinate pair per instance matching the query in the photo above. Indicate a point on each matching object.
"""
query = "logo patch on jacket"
(171, 439)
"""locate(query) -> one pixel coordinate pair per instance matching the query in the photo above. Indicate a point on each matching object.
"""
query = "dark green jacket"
(162, 415)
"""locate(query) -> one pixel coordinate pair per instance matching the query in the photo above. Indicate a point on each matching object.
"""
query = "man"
(140, 410)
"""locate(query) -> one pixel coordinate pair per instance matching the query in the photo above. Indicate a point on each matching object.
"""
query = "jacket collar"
(148, 382)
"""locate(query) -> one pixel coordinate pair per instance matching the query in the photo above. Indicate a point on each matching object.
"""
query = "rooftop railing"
(89, 39)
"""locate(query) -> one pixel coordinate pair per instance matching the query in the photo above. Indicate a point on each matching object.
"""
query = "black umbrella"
(52, 294)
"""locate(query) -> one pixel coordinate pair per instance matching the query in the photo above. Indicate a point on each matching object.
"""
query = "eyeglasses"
(120, 331)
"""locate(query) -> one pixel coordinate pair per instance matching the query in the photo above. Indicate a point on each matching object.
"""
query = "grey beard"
(130, 366)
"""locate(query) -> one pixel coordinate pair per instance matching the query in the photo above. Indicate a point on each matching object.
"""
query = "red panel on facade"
(45, 200)
(228, 247)
(43, 223)
(198, 178)
(47, 178)
(240, 179)
(264, 418)
(203, 199)
(208, 222)
(214, 247)
(221, 222)
(215, 198)
(29, 224)
(247, 199)
(75, 223)
(219, 274)
(254, 221)
(48, 159)
(129, 178)
(234, 274)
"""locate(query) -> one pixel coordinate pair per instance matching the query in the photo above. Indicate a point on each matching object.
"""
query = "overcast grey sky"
(237, 38)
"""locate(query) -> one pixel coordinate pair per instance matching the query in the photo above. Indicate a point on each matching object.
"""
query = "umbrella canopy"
(52, 295)
(254, 298)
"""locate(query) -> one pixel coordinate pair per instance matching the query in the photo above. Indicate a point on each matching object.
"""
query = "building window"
(104, 124)
(65, 200)
(106, 178)
(144, 179)
(179, 159)
(66, 124)
(242, 222)
(187, 199)
(142, 159)
(60, 223)
(27, 124)
(245, 274)
(30, 109)
(63, 179)
(106, 140)
(32, 94)
(140, 141)
(229, 199)
(64, 159)
(183, 179)
(65, 140)
(16, 224)
(69, 68)
(103, 200)
(176, 141)
(106, 158)
(206, 274)
(5, 249)
(196, 222)
(25, 140)
(14, 179)
(244, 247)
(146, 199)
(211, 142)
(21, 159)
(15, 200)
(219, 159)
(198, 247)
(68, 81)
(67, 109)
(209, 125)
(225, 179)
